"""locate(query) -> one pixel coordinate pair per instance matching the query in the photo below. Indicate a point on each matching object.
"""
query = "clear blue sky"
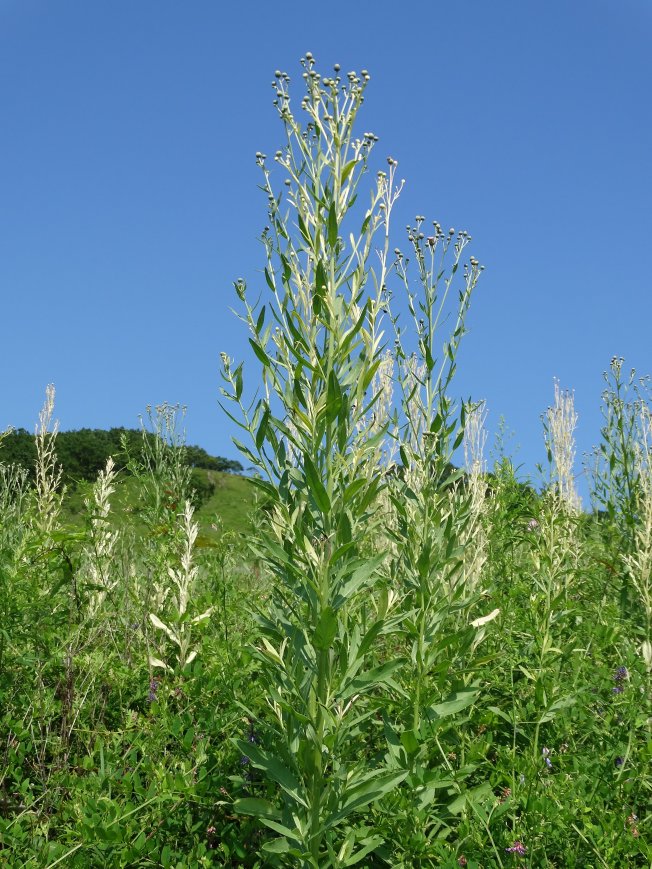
(129, 200)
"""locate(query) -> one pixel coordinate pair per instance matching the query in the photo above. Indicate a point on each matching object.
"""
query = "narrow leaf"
(332, 225)
(255, 807)
(326, 629)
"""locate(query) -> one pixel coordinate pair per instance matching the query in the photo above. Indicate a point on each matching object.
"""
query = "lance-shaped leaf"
(155, 620)
(332, 225)
(326, 629)
(315, 485)
(156, 662)
(274, 769)
(374, 786)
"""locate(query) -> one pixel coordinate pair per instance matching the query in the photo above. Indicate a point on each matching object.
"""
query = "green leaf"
(357, 579)
(556, 707)
(332, 225)
(473, 797)
(352, 489)
(262, 428)
(237, 380)
(315, 485)
(347, 170)
(276, 846)
(155, 620)
(326, 629)
(321, 287)
(370, 844)
(376, 676)
(274, 769)
(260, 353)
(282, 830)
(256, 807)
(455, 703)
(268, 278)
(371, 789)
(409, 741)
(333, 397)
(287, 271)
(303, 229)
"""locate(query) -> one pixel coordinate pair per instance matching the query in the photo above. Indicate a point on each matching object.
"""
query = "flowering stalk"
(179, 623)
(315, 441)
(318, 437)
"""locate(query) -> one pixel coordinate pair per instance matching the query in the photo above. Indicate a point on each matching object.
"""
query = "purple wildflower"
(517, 848)
(619, 761)
(546, 756)
(153, 688)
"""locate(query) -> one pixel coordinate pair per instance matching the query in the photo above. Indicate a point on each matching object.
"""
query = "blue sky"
(129, 200)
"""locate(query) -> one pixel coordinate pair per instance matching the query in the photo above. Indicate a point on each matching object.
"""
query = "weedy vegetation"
(391, 661)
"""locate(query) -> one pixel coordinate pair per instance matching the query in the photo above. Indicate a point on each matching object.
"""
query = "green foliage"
(83, 454)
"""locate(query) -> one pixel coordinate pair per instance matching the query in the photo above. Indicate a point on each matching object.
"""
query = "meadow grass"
(378, 660)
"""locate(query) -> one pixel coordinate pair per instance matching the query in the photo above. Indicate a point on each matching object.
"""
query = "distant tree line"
(83, 453)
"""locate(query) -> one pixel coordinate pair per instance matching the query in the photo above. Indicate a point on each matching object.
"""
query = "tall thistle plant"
(319, 344)
(317, 435)
(442, 615)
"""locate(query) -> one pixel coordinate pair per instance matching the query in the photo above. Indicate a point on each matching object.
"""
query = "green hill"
(228, 507)
(222, 498)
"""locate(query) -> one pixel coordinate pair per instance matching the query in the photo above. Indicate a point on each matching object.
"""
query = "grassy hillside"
(227, 509)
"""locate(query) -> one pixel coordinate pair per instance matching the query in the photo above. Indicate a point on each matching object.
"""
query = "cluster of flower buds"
(620, 677)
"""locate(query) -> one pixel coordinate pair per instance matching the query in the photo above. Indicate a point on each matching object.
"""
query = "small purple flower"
(621, 674)
(153, 688)
(618, 689)
(517, 848)
(244, 760)
(546, 756)
(619, 761)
